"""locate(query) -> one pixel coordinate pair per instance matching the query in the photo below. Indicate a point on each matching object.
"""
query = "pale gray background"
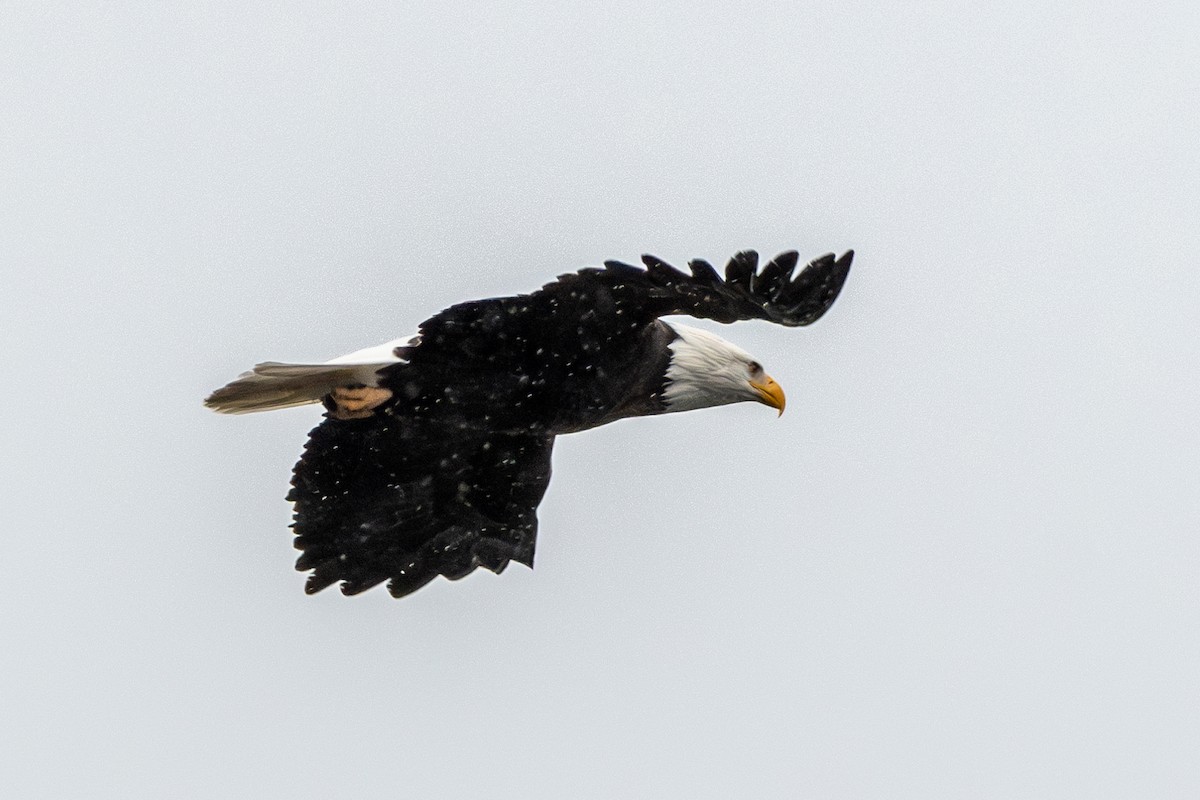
(963, 564)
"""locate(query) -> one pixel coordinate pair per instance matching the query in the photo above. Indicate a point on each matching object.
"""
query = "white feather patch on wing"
(272, 384)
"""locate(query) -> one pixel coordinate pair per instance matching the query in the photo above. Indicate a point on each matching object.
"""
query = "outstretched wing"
(606, 309)
(407, 499)
(777, 293)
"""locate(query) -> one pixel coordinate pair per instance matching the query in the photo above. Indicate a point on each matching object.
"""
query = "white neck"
(705, 370)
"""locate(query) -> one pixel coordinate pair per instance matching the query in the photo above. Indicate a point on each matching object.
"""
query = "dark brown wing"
(778, 293)
(405, 500)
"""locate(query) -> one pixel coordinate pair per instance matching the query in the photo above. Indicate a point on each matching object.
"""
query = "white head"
(706, 370)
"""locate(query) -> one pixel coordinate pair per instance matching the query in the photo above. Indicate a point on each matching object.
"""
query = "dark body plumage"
(446, 476)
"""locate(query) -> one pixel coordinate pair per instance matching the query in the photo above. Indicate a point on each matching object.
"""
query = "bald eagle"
(435, 449)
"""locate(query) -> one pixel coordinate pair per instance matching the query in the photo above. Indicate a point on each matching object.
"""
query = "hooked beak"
(769, 393)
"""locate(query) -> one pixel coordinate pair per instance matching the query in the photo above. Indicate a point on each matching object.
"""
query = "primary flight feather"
(435, 449)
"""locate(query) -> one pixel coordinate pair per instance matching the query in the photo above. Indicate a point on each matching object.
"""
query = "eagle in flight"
(435, 449)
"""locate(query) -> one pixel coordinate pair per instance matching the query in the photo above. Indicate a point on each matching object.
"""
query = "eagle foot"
(357, 402)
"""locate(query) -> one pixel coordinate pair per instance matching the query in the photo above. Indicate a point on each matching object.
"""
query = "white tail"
(273, 385)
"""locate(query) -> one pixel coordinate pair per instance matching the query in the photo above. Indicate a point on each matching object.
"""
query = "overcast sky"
(963, 564)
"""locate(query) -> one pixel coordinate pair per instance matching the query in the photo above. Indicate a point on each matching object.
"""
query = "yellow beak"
(770, 393)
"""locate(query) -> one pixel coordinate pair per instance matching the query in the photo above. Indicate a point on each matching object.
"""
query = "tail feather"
(273, 385)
